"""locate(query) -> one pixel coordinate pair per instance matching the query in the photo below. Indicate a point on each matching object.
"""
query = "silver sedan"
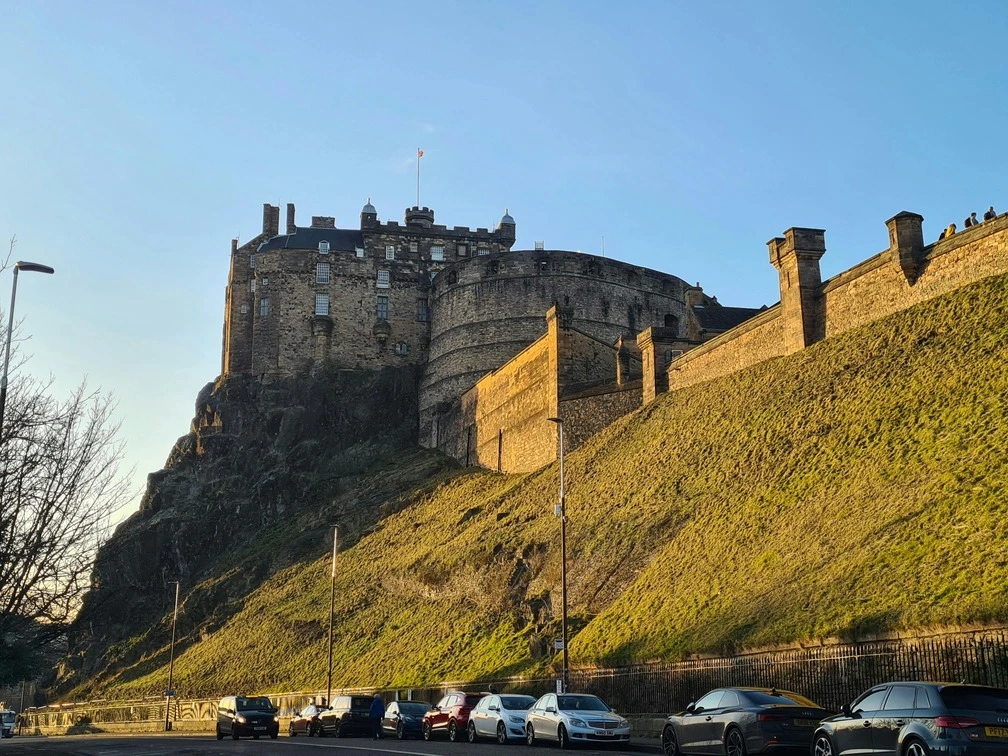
(573, 718)
(499, 716)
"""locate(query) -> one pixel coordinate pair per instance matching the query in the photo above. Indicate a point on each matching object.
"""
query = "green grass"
(856, 487)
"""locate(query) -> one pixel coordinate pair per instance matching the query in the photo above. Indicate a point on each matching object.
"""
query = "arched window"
(452, 277)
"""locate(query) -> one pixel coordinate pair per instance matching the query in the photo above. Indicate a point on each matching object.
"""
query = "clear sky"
(138, 138)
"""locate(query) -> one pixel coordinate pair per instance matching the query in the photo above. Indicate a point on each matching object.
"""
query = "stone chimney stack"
(653, 344)
(271, 220)
(291, 227)
(906, 242)
(796, 257)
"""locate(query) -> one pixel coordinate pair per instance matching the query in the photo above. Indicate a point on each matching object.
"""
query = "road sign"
(558, 644)
(169, 693)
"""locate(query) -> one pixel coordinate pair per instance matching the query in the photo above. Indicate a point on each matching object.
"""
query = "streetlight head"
(33, 267)
(557, 420)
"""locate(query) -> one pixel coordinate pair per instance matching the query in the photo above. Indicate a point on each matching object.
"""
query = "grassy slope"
(857, 486)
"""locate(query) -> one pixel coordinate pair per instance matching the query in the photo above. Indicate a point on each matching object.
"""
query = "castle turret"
(368, 216)
(906, 242)
(796, 257)
(419, 217)
(506, 228)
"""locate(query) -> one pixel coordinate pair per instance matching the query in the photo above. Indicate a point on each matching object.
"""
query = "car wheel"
(426, 731)
(339, 732)
(734, 743)
(822, 746)
(273, 735)
(471, 732)
(255, 737)
(530, 735)
(291, 732)
(453, 735)
(399, 731)
(501, 733)
(562, 740)
(220, 735)
(914, 747)
(669, 742)
(234, 733)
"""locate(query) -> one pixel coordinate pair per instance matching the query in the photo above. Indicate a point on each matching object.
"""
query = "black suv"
(243, 715)
(348, 715)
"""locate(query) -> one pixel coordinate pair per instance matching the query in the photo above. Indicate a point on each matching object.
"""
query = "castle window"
(413, 247)
(402, 347)
(543, 265)
(322, 272)
(381, 310)
(390, 252)
(671, 321)
(265, 280)
(252, 261)
(323, 247)
(383, 279)
(359, 251)
(437, 253)
(452, 277)
(252, 285)
(493, 268)
(244, 309)
(263, 308)
(422, 310)
(463, 250)
(481, 250)
(321, 304)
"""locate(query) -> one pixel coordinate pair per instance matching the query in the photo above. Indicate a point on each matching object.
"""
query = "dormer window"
(383, 279)
(437, 253)
(390, 252)
(323, 247)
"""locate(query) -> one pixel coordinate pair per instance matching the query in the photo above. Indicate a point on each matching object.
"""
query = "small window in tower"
(252, 285)
(544, 265)
(390, 252)
(244, 309)
(481, 250)
(359, 251)
(671, 321)
(452, 277)
(263, 308)
(422, 310)
(252, 261)
(383, 279)
(323, 247)
(265, 280)
(381, 310)
(321, 304)
(437, 253)
(463, 250)
(413, 247)
(402, 347)
(322, 272)
(494, 268)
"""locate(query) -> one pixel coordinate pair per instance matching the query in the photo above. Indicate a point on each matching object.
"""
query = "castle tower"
(796, 257)
(506, 227)
(419, 217)
(906, 242)
(368, 216)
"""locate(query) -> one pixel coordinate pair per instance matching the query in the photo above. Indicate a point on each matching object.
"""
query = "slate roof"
(340, 239)
(716, 318)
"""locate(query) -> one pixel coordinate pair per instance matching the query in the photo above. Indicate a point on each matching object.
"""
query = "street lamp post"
(332, 605)
(171, 665)
(562, 512)
(29, 267)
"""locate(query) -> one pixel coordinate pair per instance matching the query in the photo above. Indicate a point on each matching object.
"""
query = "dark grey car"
(740, 721)
(919, 719)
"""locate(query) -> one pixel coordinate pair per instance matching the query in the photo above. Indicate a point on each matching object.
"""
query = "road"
(170, 745)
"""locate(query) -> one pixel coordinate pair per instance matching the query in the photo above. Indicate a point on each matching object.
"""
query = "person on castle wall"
(950, 230)
(971, 221)
(942, 234)
(377, 712)
(990, 214)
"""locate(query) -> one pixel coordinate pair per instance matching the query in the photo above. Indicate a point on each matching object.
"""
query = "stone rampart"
(593, 410)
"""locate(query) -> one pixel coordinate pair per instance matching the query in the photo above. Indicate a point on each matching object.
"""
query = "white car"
(499, 716)
(573, 718)
(7, 721)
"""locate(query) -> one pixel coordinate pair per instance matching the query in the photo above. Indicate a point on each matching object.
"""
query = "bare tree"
(59, 484)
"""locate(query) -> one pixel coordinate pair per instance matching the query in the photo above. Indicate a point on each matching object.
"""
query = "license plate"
(996, 732)
(261, 728)
(603, 734)
(810, 723)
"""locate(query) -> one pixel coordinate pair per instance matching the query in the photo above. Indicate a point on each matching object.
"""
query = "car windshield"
(412, 707)
(360, 702)
(975, 699)
(8, 717)
(517, 703)
(472, 700)
(253, 704)
(581, 703)
(761, 698)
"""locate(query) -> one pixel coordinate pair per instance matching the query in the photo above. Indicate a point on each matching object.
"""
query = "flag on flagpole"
(419, 153)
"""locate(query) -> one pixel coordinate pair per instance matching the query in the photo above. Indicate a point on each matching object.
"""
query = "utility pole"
(562, 511)
(332, 605)
(171, 665)
(21, 710)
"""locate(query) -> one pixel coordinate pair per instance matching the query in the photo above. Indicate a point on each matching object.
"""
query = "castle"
(503, 339)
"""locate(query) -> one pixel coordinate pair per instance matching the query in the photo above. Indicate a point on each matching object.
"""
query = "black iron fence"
(831, 675)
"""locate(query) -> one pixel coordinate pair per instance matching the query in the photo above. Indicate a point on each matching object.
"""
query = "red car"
(451, 715)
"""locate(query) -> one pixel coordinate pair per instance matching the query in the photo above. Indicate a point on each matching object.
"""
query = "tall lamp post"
(171, 665)
(332, 605)
(28, 267)
(561, 510)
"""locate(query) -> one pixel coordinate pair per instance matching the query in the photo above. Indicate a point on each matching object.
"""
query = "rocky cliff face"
(264, 469)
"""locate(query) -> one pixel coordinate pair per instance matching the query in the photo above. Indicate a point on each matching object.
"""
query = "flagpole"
(418, 154)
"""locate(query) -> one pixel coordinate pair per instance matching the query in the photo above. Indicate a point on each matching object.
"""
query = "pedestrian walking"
(377, 714)
(990, 214)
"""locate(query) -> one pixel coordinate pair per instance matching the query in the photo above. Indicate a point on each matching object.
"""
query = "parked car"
(348, 715)
(306, 721)
(450, 715)
(740, 721)
(917, 719)
(8, 719)
(573, 718)
(404, 719)
(499, 716)
(239, 716)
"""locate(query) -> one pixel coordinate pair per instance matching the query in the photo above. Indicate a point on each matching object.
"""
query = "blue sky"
(138, 138)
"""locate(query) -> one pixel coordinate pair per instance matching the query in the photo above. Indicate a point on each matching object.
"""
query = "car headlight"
(516, 720)
(575, 722)
(240, 719)
(276, 717)
(623, 723)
